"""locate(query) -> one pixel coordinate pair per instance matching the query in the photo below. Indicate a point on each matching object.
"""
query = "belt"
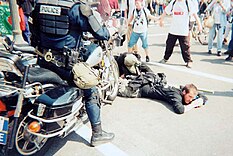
(60, 58)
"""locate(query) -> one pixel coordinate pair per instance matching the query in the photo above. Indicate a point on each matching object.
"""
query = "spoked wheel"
(28, 144)
(194, 32)
(203, 37)
(109, 86)
(113, 77)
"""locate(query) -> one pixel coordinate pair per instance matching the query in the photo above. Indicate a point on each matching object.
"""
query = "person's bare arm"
(198, 22)
(153, 17)
(151, 7)
(130, 19)
(161, 18)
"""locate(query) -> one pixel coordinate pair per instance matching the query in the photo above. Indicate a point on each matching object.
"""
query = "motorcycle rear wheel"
(28, 144)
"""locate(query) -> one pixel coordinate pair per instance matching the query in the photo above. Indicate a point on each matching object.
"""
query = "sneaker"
(163, 61)
(229, 58)
(147, 59)
(189, 64)
(210, 52)
(219, 53)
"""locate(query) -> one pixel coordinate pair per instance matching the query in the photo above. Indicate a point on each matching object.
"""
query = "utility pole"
(17, 33)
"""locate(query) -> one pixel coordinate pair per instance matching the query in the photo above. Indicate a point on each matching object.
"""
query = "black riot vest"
(52, 16)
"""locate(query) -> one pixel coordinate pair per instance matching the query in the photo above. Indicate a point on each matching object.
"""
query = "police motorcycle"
(36, 105)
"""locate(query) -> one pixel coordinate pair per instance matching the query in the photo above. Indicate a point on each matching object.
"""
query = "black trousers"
(184, 45)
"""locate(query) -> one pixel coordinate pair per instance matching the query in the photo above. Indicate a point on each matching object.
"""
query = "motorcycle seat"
(7, 59)
(60, 96)
(24, 48)
(44, 76)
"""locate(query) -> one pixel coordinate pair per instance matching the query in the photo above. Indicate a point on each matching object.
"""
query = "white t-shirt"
(123, 6)
(131, 6)
(180, 14)
(140, 20)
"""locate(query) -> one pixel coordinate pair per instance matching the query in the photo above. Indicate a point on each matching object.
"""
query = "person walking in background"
(154, 4)
(192, 19)
(122, 7)
(27, 6)
(230, 46)
(161, 4)
(179, 30)
(218, 9)
(229, 24)
(140, 18)
(130, 6)
(202, 7)
(114, 5)
(104, 9)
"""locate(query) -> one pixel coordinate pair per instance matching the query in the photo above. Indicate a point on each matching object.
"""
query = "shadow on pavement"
(203, 53)
(59, 143)
(218, 61)
(169, 107)
(158, 44)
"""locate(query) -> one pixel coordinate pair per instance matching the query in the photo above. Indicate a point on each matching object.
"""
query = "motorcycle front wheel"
(28, 144)
(109, 83)
(114, 75)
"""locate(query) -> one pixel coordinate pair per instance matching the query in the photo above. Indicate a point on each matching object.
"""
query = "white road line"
(107, 149)
(152, 35)
(190, 71)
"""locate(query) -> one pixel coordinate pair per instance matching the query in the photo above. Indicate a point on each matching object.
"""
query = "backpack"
(148, 78)
(147, 21)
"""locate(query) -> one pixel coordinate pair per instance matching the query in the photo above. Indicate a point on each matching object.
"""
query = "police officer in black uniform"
(57, 28)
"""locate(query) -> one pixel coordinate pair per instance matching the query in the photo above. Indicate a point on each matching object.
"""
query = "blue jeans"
(26, 33)
(134, 39)
(219, 37)
(160, 9)
(92, 104)
(230, 46)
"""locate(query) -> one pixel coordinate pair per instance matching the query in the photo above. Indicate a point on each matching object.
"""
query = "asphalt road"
(149, 127)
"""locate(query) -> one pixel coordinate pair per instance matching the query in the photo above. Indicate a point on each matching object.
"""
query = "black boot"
(99, 136)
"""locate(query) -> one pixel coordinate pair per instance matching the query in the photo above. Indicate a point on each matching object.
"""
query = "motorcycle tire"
(23, 143)
(204, 36)
(115, 86)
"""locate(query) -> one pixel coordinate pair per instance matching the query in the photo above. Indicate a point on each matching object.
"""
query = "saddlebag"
(57, 102)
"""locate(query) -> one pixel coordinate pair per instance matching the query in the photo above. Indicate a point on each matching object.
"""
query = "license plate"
(3, 129)
(50, 10)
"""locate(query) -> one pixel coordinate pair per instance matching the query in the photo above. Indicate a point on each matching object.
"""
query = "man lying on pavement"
(154, 86)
